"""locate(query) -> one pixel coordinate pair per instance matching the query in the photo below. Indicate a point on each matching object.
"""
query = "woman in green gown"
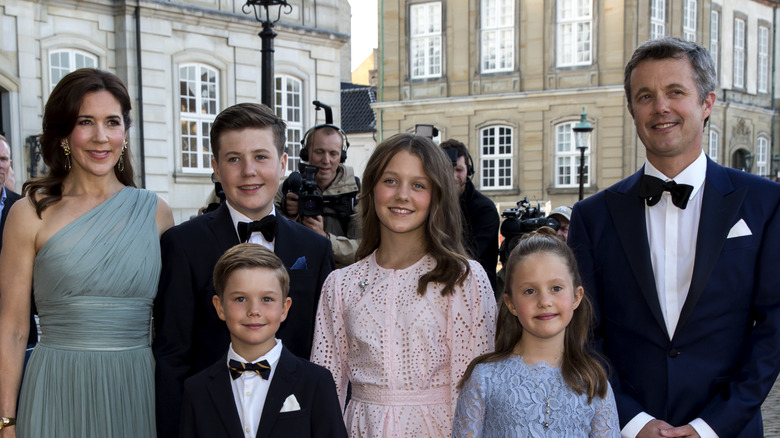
(87, 241)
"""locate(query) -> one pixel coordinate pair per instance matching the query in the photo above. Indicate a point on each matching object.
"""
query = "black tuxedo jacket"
(209, 409)
(724, 355)
(189, 336)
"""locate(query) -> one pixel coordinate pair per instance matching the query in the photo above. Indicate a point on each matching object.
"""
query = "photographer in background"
(481, 225)
(323, 195)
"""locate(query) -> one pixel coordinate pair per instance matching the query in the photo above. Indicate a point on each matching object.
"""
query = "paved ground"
(771, 412)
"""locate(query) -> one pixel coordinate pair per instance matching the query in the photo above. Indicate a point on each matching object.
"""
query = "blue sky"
(364, 29)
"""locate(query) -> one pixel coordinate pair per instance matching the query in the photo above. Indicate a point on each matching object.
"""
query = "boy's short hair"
(248, 256)
(247, 115)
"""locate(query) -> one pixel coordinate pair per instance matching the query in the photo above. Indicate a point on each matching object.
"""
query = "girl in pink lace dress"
(403, 323)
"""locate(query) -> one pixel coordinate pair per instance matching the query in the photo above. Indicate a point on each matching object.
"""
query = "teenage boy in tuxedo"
(258, 388)
(247, 142)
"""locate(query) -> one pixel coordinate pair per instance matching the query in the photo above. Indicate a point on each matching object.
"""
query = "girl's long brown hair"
(443, 229)
(59, 119)
(580, 368)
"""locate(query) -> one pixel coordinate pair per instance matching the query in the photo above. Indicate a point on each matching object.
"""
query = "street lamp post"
(267, 36)
(748, 162)
(582, 132)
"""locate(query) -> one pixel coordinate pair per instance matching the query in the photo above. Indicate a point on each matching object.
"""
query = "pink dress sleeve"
(331, 347)
(472, 322)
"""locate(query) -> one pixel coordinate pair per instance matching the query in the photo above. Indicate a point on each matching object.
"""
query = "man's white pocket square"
(290, 404)
(739, 229)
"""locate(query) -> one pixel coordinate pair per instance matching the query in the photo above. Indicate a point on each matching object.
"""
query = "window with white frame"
(496, 147)
(425, 40)
(498, 35)
(739, 53)
(198, 106)
(657, 19)
(289, 106)
(712, 149)
(689, 20)
(715, 37)
(762, 154)
(62, 62)
(567, 158)
(763, 59)
(574, 32)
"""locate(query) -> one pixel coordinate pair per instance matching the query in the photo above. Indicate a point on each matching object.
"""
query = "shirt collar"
(272, 356)
(237, 216)
(692, 175)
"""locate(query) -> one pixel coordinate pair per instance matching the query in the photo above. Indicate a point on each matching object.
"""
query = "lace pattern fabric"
(502, 399)
(404, 353)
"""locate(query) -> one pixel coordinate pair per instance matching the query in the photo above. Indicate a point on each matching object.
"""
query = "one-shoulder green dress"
(92, 373)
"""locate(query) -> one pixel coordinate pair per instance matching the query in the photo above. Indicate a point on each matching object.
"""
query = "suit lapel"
(221, 224)
(285, 243)
(627, 210)
(280, 389)
(221, 393)
(719, 209)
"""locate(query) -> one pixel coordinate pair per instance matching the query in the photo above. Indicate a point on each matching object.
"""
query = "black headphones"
(304, 154)
(454, 151)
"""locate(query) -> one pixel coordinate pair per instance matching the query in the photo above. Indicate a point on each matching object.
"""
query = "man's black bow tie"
(262, 368)
(266, 225)
(651, 189)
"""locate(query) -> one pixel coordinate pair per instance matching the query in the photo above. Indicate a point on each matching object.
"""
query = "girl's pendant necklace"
(546, 423)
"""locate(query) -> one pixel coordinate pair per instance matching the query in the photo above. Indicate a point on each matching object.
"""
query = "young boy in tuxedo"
(258, 388)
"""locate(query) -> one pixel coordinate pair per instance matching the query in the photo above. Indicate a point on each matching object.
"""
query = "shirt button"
(247, 430)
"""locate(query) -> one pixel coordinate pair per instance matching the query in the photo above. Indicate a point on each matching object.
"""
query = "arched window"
(496, 157)
(289, 106)
(198, 106)
(62, 62)
(567, 158)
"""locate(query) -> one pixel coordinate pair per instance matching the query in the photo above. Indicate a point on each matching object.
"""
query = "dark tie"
(266, 225)
(651, 189)
(262, 368)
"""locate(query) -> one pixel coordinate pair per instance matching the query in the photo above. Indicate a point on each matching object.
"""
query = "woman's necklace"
(547, 400)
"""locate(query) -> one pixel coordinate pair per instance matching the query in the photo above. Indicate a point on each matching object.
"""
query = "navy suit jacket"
(189, 336)
(724, 356)
(209, 409)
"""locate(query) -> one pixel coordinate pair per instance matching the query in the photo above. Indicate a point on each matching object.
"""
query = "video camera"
(520, 221)
(310, 201)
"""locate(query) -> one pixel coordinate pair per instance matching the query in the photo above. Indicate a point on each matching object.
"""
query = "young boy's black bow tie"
(262, 368)
(651, 189)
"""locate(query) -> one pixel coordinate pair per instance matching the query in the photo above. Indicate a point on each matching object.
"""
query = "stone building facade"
(510, 78)
(183, 61)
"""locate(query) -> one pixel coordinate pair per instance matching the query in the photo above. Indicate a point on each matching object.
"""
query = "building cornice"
(500, 97)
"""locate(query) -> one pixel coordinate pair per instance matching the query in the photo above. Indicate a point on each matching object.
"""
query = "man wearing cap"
(563, 215)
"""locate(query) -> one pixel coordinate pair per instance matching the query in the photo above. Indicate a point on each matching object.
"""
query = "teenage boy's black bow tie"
(652, 188)
(266, 225)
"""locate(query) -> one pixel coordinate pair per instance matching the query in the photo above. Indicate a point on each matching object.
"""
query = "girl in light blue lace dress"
(541, 381)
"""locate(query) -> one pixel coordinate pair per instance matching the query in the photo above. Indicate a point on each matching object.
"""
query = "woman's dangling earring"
(120, 166)
(66, 150)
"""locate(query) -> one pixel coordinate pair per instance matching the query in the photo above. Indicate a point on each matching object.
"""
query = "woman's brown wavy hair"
(443, 229)
(59, 119)
(580, 368)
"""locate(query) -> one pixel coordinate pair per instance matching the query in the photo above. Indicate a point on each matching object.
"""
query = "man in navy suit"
(247, 143)
(680, 260)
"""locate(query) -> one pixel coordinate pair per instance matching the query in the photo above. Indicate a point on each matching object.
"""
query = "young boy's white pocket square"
(739, 229)
(290, 404)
